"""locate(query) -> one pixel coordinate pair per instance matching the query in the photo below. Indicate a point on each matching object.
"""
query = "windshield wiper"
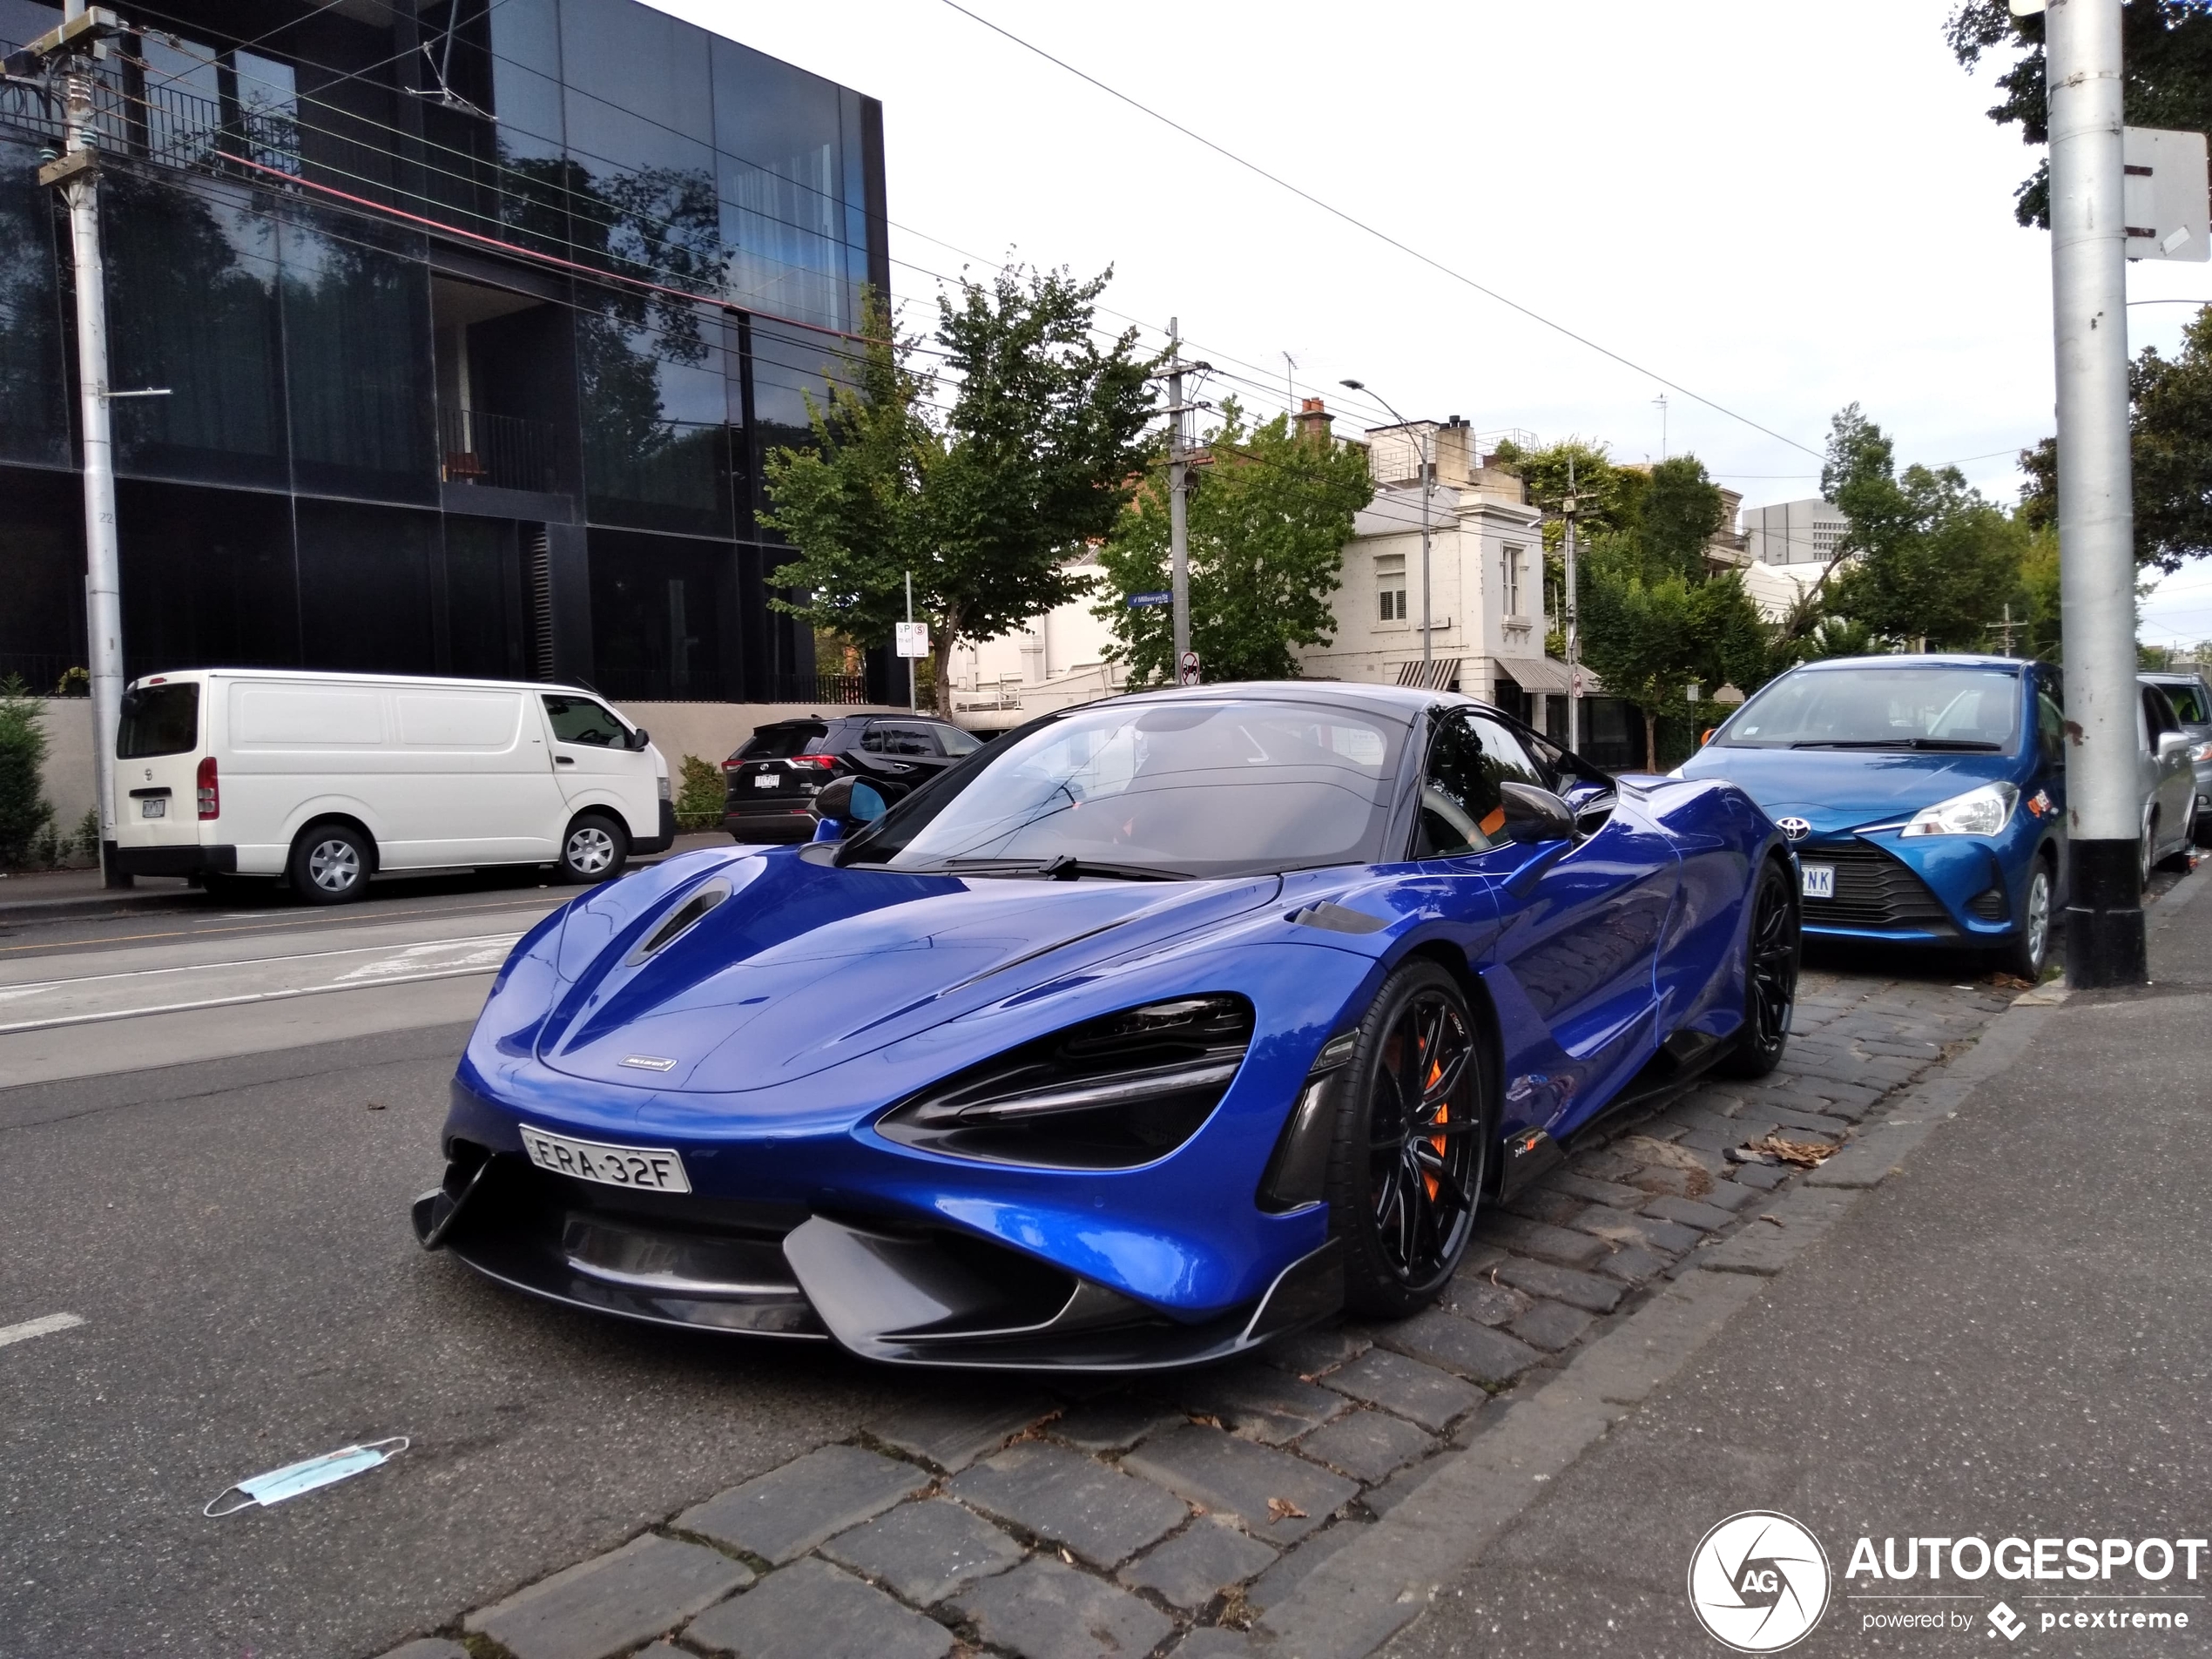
(1942, 745)
(1065, 868)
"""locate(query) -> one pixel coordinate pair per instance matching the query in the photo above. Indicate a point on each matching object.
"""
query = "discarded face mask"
(295, 1477)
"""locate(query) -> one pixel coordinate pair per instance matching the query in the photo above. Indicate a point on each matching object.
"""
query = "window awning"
(1435, 675)
(1546, 674)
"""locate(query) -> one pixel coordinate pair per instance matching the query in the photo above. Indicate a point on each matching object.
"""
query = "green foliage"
(86, 842)
(1934, 559)
(24, 812)
(1268, 519)
(2165, 44)
(699, 794)
(986, 504)
(1607, 498)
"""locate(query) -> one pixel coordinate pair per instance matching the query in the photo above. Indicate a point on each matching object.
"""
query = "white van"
(324, 780)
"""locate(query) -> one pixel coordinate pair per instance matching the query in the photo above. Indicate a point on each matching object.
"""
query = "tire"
(1772, 947)
(330, 864)
(2146, 855)
(1404, 1202)
(2030, 951)
(2203, 830)
(594, 848)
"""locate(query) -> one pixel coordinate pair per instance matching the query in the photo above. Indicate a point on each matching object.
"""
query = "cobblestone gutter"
(1298, 1504)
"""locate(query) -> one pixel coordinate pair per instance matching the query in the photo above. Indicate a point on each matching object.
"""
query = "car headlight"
(1979, 812)
(1110, 1094)
(2201, 752)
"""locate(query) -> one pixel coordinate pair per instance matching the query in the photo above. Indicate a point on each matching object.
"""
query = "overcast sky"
(1782, 208)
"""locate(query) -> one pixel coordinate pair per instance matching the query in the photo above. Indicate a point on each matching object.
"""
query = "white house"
(1052, 661)
(1487, 600)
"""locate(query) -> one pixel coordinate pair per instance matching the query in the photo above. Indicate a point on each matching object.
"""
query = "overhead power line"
(1360, 223)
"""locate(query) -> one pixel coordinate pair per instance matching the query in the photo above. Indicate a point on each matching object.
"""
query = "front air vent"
(681, 919)
(1988, 905)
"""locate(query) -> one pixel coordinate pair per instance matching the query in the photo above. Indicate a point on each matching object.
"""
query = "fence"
(506, 451)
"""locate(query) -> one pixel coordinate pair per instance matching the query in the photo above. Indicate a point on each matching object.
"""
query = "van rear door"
(157, 747)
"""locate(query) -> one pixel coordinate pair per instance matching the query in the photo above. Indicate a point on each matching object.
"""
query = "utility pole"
(1179, 517)
(2104, 918)
(1573, 639)
(81, 38)
(1428, 484)
(913, 700)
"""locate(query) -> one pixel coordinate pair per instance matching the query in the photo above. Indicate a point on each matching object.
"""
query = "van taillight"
(210, 798)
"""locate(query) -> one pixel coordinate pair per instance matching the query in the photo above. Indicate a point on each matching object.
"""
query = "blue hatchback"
(1924, 796)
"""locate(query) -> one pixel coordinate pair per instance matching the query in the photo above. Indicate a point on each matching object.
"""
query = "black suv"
(782, 767)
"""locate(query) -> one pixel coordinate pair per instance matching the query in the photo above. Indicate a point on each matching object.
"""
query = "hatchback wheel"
(330, 864)
(1770, 955)
(2030, 950)
(595, 849)
(1413, 1143)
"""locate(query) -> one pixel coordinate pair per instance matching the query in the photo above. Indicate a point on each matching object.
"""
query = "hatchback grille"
(1872, 890)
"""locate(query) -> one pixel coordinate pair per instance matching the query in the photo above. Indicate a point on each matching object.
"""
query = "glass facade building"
(476, 321)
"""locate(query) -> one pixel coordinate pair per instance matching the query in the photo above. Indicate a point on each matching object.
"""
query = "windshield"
(1164, 790)
(2188, 698)
(1875, 707)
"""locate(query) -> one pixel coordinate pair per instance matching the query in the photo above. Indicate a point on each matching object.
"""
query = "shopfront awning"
(1435, 675)
(1545, 674)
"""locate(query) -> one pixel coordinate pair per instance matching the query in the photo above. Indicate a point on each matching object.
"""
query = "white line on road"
(30, 1328)
(236, 1001)
(10, 993)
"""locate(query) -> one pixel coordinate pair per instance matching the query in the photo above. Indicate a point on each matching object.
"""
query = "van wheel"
(330, 864)
(595, 849)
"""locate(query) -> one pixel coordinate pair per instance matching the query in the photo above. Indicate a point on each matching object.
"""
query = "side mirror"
(1534, 814)
(1706, 736)
(639, 738)
(848, 800)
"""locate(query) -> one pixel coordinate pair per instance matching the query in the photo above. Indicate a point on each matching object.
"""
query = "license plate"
(153, 806)
(651, 1168)
(766, 780)
(1820, 881)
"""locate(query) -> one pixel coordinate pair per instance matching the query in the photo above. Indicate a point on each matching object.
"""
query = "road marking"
(383, 917)
(12, 992)
(30, 1328)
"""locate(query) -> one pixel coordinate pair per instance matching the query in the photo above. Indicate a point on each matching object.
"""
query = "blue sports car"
(1925, 796)
(1154, 1030)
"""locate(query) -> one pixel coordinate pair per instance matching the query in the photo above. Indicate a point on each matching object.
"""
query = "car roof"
(2173, 676)
(317, 676)
(1405, 701)
(1920, 659)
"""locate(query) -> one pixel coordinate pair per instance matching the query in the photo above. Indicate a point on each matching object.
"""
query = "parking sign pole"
(2104, 918)
(914, 699)
(1178, 485)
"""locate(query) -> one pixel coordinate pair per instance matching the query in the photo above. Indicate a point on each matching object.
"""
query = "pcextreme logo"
(1759, 1582)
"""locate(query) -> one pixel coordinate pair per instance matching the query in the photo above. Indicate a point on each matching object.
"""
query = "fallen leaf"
(1284, 1509)
(1806, 1155)
(1205, 1420)
(1777, 1220)
(376, 1105)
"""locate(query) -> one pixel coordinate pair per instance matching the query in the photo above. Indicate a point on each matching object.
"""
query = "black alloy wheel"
(1413, 1143)
(1772, 951)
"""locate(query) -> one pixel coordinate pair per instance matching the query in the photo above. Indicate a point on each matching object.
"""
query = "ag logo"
(1759, 1582)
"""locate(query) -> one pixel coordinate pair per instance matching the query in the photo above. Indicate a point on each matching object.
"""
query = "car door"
(1571, 972)
(2167, 746)
(595, 765)
(906, 746)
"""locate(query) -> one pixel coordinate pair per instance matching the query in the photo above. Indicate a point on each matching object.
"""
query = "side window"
(1506, 755)
(876, 740)
(2160, 712)
(2050, 729)
(956, 742)
(912, 741)
(1459, 810)
(578, 719)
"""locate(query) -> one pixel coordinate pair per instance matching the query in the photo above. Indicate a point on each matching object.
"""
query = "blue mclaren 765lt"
(1154, 1030)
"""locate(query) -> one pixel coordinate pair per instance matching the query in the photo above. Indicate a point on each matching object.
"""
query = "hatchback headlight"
(1979, 812)
(2201, 752)
(1110, 1094)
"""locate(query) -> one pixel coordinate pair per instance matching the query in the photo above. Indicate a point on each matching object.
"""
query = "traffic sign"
(1138, 601)
(914, 638)
(1190, 668)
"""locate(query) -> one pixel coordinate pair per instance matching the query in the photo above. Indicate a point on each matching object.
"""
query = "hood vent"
(679, 920)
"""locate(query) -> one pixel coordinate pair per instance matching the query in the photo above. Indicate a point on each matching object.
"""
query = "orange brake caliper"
(1443, 1112)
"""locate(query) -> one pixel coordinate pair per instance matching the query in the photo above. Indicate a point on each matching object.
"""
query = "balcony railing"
(506, 451)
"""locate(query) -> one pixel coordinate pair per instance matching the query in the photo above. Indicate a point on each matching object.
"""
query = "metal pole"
(1178, 518)
(1573, 639)
(2105, 822)
(1428, 484)
(913, 700)
(103, 579)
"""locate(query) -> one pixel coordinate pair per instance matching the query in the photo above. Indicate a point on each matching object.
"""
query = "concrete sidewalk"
(2009, 1338)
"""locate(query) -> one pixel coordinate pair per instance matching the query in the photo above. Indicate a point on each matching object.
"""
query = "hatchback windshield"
(1878, 707)
(1161, 790)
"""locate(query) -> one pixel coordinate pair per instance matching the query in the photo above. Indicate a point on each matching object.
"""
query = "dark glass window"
(34, 415)
(891, 737)
(42, 553)
(790, 367)
(359, 367)
(208, 578)
(484, 623)
(781, 742)
(2050, 729)
(191, 306)
(158, 720)
(1461, 812)
(781, 135)
(656, 402)
(955, 741)
(661, 608)
(367, 588)
(578, 719)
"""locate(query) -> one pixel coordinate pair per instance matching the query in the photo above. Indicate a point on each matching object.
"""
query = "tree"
(23, 811)
(1930, 557)
(2165, 44)
(1269, 515)
(986, 503)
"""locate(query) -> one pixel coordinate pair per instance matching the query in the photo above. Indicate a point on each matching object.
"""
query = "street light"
(1428, 480)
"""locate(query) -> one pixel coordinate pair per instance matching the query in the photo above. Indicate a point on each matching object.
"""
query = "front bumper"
(902, 1295)
(1955, 890)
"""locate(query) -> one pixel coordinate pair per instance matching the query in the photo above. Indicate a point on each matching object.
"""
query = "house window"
(1392, 606)
(1510, 564)
(1390, 587)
